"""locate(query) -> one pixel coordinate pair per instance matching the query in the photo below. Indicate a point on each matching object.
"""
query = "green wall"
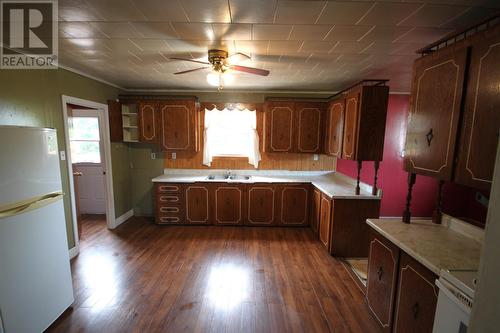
(33, 98)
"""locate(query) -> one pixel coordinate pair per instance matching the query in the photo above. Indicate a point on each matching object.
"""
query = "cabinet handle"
(429, 137)
(415, 309)
(380, 272)
(169, 209)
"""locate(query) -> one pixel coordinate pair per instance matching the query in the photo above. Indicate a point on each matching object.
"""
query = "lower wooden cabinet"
(169, 203)
(197, 204)
(382, 277)
(314, 216)
(261, 204)
(294, 205)
(416, 299)
(228, 208)
(401, 292)
(325, 221)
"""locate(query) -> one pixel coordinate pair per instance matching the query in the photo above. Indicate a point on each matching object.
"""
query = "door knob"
(77, 173)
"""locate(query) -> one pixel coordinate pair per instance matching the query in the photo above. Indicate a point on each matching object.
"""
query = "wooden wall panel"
(269, 161)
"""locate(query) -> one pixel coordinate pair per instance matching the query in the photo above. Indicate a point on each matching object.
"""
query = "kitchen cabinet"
(334, 127)
(315, 210)
(279, 126)
(261, 204)
(416, 298)
(325, 220)
(148, 122)
(481, 116)
(294, 205)
(365, 118)
(382, 280)
(115, 121)
(178, 125)
(229, 202)
(308, 126)
(436, 95)
(197, 204)
(293, 126)
(169, 204)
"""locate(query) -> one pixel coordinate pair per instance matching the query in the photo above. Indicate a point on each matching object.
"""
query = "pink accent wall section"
(392, 179)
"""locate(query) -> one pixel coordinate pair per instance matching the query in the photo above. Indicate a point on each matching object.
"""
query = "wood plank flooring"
(147, 278)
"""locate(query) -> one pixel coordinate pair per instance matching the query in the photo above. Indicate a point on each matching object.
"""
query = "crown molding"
(79, 72)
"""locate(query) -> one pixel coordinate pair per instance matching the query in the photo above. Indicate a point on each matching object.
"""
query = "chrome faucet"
(227, 174)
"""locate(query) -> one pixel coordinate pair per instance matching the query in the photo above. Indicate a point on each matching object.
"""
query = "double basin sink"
(228, 177)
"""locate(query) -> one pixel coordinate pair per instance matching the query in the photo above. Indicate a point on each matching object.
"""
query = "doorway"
(88, 155)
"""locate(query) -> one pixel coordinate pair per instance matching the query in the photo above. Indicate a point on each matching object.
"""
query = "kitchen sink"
(239, 177)
(228, 177)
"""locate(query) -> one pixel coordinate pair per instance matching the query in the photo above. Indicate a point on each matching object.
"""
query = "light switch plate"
(174, 156)
(62, 155)
(315, 157)
(153, 156)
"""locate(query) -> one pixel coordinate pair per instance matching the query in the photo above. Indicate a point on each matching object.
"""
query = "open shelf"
(129, 120)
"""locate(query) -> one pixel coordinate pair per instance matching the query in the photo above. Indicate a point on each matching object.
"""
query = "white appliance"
(35, 275)
(456, 295)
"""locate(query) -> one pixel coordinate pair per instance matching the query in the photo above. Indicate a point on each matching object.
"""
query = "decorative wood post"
(358, 178)
(376, 164)
(436, 217)
(411, 182)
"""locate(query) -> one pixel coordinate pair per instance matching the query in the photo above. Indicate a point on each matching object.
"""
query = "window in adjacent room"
(231, 133)
(85, 140)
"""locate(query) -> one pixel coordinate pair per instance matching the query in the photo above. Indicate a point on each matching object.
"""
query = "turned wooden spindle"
(407, 213)
(436, 217)
(376, 164)
(358, 189)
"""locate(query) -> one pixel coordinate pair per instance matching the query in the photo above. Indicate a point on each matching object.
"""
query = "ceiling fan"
(219, 63)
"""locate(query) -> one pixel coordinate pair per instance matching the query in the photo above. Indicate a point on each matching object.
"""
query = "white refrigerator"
(35, 275)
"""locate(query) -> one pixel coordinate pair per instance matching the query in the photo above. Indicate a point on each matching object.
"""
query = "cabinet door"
(325, 221)
(315, 210)
(481, 120)
(335, 126)
(115, 121)
(197, 204)
(382, 278)
(351, 125)
(279, 126)
(434, 112)
(261, 204)
(228, 205)
(417, 297)
(178, 125)
(147, 122)
(308, 122)
(294, 205)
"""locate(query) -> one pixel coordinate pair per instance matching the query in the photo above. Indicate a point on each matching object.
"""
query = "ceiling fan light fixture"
(218, 79)
(213, 79)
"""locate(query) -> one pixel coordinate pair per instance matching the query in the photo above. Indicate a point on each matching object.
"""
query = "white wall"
(486, 310)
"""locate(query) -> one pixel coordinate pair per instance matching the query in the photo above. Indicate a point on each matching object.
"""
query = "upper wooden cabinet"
(309, 132)
(115, 121)
(436, 95)
(334, 127)
(481, 117)
(178, 125)
(294, 126)
(148, 122)
(364, 123)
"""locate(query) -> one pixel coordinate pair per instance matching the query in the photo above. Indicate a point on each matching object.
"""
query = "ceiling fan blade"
(239, 54)
(250, 70)
(192, 70)
(191, 60)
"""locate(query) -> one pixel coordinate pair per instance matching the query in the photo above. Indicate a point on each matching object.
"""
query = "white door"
(88, 158)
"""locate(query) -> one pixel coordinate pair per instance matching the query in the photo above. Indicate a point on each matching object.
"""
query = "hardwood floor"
(147, 278)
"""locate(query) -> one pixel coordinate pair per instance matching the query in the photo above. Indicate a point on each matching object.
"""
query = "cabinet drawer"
(168, 220)
(166, 199)
(167, 188)
(169, 210)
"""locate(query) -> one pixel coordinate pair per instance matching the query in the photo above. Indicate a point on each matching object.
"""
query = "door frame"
(108, 177)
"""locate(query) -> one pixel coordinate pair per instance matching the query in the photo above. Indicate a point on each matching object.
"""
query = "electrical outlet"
(174, 156)
(62, 154)
(482, 199)
(315, 157)
(153, 156)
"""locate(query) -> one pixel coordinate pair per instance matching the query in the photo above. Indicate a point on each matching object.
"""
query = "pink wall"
(392, 179)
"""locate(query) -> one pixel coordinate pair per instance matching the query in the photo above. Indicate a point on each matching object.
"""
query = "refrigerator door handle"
(30, 204)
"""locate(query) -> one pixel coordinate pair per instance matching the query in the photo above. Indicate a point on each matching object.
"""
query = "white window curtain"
(231, 133)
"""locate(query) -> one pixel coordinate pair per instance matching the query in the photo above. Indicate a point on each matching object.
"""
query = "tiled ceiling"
(307, 45)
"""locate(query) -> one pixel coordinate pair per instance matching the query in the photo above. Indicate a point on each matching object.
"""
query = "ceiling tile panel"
(348, 32)
(433, 15)
(350, 47)
(385, 33)
(207, 10)
(151, 44)
(310, 32)
(424, 35)
(233, 31)
(470, 16)
(77, 10)
(298, 12)
(194, 31)
(253, 46)
(155, 30)
(284, 46)
(343, 12)
(161, 10)
(271, 32)
(255, 11)
(117, 29)
(316, 47)
(116, 10)
(80, 30)
(389, 13)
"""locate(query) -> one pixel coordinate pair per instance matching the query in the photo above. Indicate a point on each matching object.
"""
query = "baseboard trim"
(124, 217)
(73, 252)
